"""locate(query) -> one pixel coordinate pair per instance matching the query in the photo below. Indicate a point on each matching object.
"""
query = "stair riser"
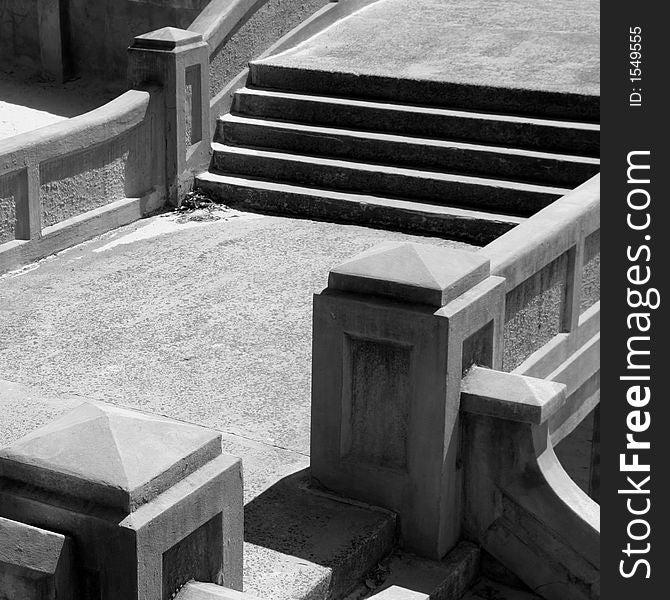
(530, 136)
(471, 230)
(538, 103)
(444, 159)
(437, 191)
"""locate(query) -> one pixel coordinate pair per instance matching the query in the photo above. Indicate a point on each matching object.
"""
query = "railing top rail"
(535, 243)
(221, 18)
(74, 134)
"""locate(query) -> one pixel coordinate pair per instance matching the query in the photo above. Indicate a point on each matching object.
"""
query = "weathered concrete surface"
(521, 505)
(35, 564)
(269, 23)
(301, 543)
(410, 273)
(404, 576)
(210, 325)
(196, 590)
(487, 589)
(116, 457)
(150, 502)
(528, 44)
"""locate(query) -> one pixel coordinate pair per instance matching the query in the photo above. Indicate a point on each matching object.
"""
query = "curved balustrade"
(72, 180)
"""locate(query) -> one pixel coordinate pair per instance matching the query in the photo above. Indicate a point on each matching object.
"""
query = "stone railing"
(413, 410)
(69, 181)
(551, 265)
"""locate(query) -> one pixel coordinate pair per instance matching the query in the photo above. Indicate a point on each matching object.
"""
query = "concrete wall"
(95, 35)
(264, 27)
(19, 33)
(101, 31)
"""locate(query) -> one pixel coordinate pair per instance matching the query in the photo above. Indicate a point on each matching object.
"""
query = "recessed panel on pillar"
(376, 403)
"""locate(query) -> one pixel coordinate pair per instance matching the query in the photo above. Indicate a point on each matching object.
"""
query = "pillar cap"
(409, 272)
(167, 38)
(112, 456)
(510, 396)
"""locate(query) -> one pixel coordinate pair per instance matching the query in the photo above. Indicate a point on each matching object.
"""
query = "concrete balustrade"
(396, 424)
(149, 504)
(520, 504)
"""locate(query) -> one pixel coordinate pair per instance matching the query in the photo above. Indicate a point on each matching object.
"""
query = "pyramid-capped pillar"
(150, 502)
(177, 60)
(393, 333)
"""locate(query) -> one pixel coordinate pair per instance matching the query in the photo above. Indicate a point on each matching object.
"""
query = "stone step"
(446, 189)
(390, 149)
(411, 577)
(270, 74)
(435, 123)
(305, 544)
(487, 589)
(472, 226)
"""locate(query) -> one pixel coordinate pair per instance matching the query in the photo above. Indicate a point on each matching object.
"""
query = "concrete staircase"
(468, 174)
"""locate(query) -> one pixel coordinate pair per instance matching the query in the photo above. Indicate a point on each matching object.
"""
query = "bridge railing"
(442, 379)
(63, 183)
(551, 265)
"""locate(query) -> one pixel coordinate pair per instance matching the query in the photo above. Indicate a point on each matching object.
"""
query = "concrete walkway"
(208, 323)
(546, 45)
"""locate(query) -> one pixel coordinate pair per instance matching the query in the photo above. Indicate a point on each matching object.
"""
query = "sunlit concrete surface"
(27, 104)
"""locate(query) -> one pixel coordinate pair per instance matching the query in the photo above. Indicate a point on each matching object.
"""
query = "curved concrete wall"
(69, 181)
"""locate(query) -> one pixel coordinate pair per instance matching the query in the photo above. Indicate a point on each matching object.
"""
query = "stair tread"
(430, 110)
(393, 170)
(406, 139)
(435, 209)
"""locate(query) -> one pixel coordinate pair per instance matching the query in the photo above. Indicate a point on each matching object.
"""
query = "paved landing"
(210, 323)
(547, 45)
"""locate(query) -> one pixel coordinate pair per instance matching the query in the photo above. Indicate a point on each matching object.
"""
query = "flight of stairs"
(464, 174)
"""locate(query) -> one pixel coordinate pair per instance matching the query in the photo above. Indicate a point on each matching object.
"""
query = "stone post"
(177, 60)
(393, 333)
(150, 503)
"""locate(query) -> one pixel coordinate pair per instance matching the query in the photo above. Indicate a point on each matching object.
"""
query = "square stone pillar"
(393, 333)
(177, 60)
(151, 503)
